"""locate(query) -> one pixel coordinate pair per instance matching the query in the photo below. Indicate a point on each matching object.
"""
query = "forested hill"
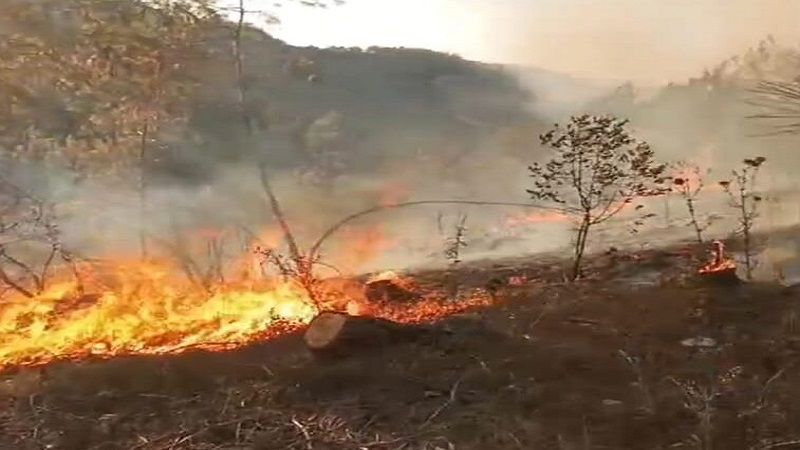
(368, 105)
(85, 83)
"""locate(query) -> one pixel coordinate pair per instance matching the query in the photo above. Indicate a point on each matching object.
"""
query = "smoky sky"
(648, 41)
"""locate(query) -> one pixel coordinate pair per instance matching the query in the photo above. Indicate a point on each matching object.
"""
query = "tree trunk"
(580, 247)
(333, 334)
(693, 217)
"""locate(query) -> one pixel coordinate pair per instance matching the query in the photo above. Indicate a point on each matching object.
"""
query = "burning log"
(387, 291)
(389, 287)
(337, 334)
(720, 268)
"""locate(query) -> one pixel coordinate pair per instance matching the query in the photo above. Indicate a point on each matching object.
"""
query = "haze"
(647, 41)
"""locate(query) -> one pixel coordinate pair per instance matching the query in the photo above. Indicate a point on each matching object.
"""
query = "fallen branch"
(305, 433)
(446, 404)
(784, 444)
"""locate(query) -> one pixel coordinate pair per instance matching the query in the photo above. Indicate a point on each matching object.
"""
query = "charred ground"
(603, 363)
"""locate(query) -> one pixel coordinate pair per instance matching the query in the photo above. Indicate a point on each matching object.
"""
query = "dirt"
(624, 359)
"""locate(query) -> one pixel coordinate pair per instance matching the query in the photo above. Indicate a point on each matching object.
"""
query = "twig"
(538, 318)
(771, 379)
(4, 277)
(303, 430)
(450, 400)
(783, 444)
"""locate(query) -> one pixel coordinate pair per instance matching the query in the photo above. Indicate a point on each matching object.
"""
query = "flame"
(719, 262)
(361, 245)
(143, 309)
(404, 282)
(129, 307)
(386, 275)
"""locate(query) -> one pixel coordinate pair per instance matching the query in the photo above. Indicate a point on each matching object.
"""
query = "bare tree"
(457, 241)
(597, 169)
(301, 266)
(741, 190)
(30, 241)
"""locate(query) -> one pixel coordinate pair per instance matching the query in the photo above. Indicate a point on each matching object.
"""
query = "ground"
(615, 361)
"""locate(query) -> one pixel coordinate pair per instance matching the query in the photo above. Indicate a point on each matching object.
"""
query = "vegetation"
(597, 170)
(689, 183)
(456, 241)
(106, 89)
(744, 197)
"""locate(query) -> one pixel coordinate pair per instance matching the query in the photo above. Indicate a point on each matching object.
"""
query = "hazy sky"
(645, 40)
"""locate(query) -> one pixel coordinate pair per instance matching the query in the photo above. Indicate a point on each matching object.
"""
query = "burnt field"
(624, 359)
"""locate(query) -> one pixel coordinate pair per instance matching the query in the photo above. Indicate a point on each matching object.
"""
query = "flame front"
(144, 309)
(148, 308)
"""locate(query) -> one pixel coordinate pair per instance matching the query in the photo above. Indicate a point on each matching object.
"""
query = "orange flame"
(361, 245)
(719, 262)
(138, 308)
(143, 309)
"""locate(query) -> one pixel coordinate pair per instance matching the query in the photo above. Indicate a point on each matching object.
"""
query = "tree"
(741, 190)
(596, 170)
(94, 95)
(30, 244)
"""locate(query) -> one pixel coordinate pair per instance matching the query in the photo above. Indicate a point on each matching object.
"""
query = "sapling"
(688, 184)
(457, 241)
(741, 190)
(596, 170)
(453, 246)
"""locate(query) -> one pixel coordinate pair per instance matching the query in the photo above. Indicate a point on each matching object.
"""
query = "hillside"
(322, 108)
(365, 106)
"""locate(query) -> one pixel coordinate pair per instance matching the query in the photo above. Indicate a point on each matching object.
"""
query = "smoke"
(646, 41)
(422, 126)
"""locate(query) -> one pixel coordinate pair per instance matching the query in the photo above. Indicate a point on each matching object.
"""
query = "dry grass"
(540, 370)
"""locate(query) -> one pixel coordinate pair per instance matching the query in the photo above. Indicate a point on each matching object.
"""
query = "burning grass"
(144, 308)
(148, 308)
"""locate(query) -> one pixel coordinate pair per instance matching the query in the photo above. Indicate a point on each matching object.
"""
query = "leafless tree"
(457, 241)
(30, 241)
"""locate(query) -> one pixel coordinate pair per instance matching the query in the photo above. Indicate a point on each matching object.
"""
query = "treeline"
(95, 87)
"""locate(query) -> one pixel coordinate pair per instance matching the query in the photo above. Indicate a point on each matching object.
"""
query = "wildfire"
(143, 309)
(363, 245)
(147, 308)
(397, 279)
(719, 262)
